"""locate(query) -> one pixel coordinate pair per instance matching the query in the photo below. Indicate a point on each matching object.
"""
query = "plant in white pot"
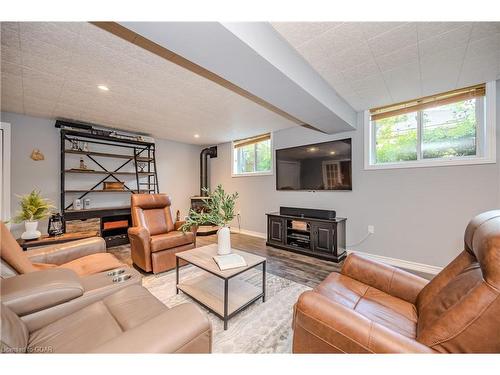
(33, 208)
(219, 211)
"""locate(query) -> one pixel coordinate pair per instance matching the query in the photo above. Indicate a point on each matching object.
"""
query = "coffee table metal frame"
(226, 316)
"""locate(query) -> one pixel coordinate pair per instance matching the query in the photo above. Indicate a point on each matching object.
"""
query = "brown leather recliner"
(374, 308)
(85, 257)
(154, 237)
(131, 320)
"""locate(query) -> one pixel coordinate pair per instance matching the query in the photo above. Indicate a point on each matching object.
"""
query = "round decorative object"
(31, 231)
(223, 241)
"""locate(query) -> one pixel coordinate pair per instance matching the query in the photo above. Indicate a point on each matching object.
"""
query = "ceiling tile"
(394, 39)
(400, 57)
(9, 34)
(440, 72)
(455, 38)
(348, 58)
(374, 97)
(428, 30)
(403, 82)
(49, 33)
(298, 33)
(482, 30)
(483, 47)
(366, 69)
(479, 69)
(41, 85)
(38, 106)
(11, 68)
(12, 85)
(12, 103)
(368, 84)
(373, 29)
(415, 58)
(11, 54)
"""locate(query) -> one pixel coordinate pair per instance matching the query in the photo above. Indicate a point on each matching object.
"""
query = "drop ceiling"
(377, 63)
(53, 69)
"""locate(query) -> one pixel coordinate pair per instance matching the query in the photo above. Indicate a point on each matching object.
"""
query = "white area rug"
(260, 328)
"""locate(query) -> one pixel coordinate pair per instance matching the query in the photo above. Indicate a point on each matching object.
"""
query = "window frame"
(485, 141)
(251, 174)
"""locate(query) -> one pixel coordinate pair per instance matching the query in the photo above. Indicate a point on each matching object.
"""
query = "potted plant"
(219, 211)
(33, 208)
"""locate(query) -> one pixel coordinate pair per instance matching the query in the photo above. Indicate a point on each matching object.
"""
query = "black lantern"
(56, 225)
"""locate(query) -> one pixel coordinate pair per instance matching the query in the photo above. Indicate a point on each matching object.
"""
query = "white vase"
(31, 233)
(223, 241)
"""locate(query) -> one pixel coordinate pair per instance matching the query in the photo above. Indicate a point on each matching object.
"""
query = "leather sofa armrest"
(66, 252)
(181, 329)
(391, 280)
(323, 326)
(31, 292)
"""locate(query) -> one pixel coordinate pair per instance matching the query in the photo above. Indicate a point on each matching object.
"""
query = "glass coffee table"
(224, 293)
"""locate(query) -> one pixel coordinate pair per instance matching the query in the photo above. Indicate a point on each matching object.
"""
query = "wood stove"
(198, 202)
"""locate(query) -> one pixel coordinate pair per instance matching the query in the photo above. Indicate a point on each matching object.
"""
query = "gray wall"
(419, 214)
(178, 166)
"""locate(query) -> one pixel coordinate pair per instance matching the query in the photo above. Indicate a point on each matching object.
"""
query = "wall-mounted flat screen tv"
(319, 166)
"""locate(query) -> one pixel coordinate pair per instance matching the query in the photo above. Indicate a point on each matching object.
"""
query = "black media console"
(318, 233)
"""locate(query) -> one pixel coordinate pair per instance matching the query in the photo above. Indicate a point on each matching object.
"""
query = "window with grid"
(252, 156)
(426, 131)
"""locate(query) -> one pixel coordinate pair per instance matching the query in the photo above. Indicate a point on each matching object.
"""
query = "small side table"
(52, 240)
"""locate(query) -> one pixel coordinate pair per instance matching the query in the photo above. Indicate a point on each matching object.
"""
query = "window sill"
(432, 163)
(253, 174)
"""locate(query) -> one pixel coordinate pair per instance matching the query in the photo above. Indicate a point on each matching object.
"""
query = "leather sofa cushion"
(34, 291)
(170, 240)
(375, 305)
(14, 333)
(92, 264)
(132, 306)
(97, 323)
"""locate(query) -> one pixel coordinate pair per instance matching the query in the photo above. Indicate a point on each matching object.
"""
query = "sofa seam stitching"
(327, 342)
(195, 338)
(441, 341)
(329, 326)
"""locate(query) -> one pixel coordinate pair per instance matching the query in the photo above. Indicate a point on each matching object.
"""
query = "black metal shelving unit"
(134, 152)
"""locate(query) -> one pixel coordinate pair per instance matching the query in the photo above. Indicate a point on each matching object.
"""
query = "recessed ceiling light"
(103, 88)
(312, 149)
(197, 136)
(332, 152)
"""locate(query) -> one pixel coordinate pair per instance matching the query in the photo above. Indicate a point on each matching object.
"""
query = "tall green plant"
(33, 207)
(219, 210)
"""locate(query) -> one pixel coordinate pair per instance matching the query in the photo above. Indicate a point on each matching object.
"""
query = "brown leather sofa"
(373, 308)
(129, 321)
(85, 257)
(154, 237)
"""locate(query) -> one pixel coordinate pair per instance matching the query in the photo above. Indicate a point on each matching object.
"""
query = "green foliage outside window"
(397, 138)
(255, 157)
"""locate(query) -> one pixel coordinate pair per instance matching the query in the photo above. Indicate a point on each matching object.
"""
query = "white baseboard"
(249, 233)
(414, 266)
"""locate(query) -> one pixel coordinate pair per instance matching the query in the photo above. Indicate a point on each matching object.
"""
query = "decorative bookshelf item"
(56, 225)
(118, 185)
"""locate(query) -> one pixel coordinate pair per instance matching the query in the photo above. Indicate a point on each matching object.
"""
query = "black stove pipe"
(204, 155)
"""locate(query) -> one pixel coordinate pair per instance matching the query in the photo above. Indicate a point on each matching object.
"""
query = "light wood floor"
(302, 269)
